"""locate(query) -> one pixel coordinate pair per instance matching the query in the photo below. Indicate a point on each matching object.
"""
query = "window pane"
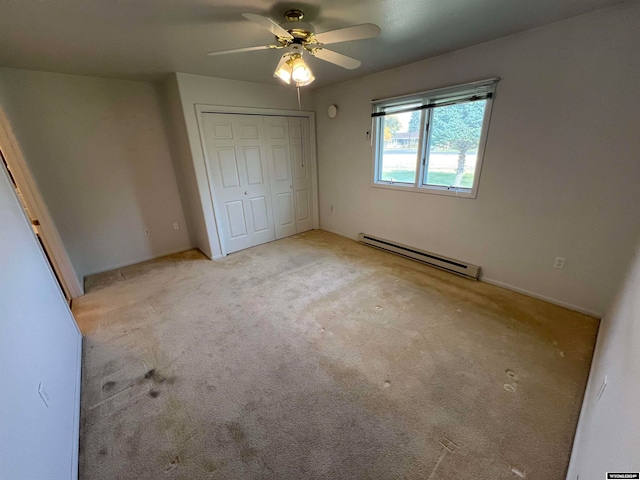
(401, 134)
(453, 145)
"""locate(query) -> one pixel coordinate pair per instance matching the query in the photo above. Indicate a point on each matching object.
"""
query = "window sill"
(429, 190)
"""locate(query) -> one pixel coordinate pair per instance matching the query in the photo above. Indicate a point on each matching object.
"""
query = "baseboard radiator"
(432, 259)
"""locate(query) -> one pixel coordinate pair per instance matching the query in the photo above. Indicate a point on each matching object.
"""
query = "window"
(433, 141)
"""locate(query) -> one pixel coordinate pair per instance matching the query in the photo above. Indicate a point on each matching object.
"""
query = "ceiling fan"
(297, 37)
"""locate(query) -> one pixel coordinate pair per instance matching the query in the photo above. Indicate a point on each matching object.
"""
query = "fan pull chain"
(298, 88)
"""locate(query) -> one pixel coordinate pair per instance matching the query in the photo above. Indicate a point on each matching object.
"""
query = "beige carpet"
(315, 357)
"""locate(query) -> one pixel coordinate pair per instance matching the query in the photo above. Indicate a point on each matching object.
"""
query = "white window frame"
(450, 95)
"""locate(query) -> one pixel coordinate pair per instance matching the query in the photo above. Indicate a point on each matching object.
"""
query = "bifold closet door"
(238, 170)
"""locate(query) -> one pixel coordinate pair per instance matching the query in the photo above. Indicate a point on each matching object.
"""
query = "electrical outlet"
(176, 226)
(559, 263)
(146, 232)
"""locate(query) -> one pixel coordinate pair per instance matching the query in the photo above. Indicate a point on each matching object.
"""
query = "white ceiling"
(145, 39)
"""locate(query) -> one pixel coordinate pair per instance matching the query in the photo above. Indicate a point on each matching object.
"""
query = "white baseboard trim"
(529, 293)
(141, 260)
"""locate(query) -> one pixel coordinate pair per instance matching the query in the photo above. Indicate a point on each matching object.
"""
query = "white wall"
(560, 173)
(39, 344)
(608, 436)
(176, 129)
(196, 89)
(99, 153)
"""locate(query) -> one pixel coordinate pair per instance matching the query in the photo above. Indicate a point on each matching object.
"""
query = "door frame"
(60, 261)
(201, 109)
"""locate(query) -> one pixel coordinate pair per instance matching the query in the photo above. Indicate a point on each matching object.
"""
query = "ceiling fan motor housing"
(302, 31)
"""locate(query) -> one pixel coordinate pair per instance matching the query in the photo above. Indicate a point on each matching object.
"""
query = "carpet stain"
(236, 432)
(108, 386)
(174, 464)
(213, 466)
(239, 436)
(247, 453)
(157, 377)
(176, 421)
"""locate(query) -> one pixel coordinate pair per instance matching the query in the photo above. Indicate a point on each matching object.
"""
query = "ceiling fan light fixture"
(301, 73)
(306, 82)
(283, 69)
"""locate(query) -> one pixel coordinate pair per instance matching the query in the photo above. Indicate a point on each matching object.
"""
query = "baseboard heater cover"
(449, 264)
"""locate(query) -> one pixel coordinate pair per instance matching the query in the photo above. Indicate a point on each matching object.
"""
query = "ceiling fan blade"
(239, 50)
(357, 32)
(267, 24)
(336, 58)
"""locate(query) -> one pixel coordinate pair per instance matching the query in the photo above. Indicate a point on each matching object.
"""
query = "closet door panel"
(279, 156)
(254, 166)
(256, 188)
(284, 203)
(302, 183)
(228, 164)
(259, 214)
(238, 171)
(303, 209)
(236, 219)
